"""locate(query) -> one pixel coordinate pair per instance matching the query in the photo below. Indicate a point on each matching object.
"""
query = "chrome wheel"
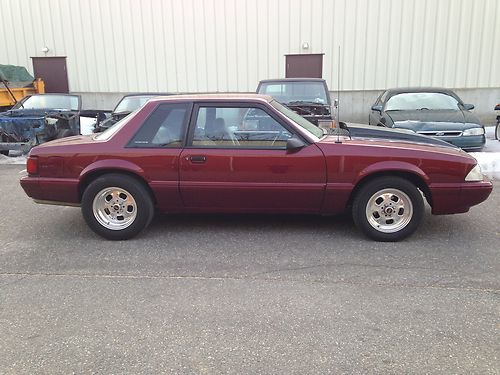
(114, 208)
(389, 210)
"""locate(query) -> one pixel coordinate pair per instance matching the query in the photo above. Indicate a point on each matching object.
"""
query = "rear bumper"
(60, 190)
(458, 198)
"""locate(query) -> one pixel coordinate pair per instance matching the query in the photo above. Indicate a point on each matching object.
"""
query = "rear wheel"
(388, 209)
(117, 207)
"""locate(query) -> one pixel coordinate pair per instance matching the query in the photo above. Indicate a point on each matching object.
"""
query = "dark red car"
(246, 153)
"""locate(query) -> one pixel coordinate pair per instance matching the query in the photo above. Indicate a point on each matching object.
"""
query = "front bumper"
(458, 198)
(468, 143)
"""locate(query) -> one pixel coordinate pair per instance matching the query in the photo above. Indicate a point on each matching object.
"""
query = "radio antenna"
(338, 90)
(338, 101)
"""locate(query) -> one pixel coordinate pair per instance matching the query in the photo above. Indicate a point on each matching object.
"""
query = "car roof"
(216, 97)
(401, 90)
(148, 94)
(299, 79)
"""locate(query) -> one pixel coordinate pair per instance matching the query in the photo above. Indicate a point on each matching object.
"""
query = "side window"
(383, 97)
(238, 127)
(163, 128)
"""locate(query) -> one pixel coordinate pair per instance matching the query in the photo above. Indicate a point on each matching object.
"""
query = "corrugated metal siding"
(229, 45)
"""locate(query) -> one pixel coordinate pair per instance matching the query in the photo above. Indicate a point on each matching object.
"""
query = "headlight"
(473, 131)
(475, 174)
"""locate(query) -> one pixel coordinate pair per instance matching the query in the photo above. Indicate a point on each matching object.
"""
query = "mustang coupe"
(242, 154)
(435, 112)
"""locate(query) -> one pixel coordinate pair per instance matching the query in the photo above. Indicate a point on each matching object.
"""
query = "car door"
(236, 161)
(156, 148)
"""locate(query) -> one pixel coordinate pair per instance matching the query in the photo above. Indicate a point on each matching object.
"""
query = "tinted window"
(240, 127)
(163, 128)
(131, 103)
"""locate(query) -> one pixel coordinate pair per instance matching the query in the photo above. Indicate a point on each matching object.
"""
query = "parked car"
(497, 127)
(246, 153)
(434, 112)
(39, 118)
(310, 98)
(126, 105)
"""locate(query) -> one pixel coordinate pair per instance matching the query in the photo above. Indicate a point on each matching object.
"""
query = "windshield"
(131, 103)
(113, 129)
(70, 102)
(421, 100)
(299, 120)
(290, 92)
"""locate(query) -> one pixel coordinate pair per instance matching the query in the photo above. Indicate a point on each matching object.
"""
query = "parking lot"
(253, 294)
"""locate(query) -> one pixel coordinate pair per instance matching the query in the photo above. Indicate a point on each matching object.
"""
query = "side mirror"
(497, 107)
(377, 108)
(294, 144)
(468, 107)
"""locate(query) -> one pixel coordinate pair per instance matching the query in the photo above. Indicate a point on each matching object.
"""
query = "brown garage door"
(53, 71)
(309, 65)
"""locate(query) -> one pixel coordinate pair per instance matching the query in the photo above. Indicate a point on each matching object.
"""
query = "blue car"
(39, 118)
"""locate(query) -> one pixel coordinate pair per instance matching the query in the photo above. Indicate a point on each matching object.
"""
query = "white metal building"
(118, 46)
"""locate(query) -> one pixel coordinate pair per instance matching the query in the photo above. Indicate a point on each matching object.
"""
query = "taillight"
(32, 165)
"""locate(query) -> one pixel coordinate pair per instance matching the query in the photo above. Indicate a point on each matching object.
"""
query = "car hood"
(423, 120)
(395, 144)
(360, 131)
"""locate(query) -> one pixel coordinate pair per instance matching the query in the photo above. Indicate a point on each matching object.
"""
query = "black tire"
(63, 133)
(4, 152)
(397, 205)
(140, 209)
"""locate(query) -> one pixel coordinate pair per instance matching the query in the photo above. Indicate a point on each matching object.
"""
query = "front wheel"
(388, 208)
(117, 207)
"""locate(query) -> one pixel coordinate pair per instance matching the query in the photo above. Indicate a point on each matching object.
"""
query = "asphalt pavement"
(211, 294)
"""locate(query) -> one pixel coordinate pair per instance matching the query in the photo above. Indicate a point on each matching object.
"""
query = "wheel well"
(409, 176)
(96, 174)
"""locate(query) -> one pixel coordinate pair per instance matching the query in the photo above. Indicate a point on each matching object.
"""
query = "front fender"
(391, 166)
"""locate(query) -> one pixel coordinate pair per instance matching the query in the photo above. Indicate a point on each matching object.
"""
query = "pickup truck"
(308, 97)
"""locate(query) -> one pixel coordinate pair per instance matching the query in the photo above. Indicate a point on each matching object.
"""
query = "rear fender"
(111, 165)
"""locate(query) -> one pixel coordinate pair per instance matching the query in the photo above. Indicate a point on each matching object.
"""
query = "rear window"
(165, 127)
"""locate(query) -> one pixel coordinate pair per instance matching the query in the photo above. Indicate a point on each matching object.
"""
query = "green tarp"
(12, 73)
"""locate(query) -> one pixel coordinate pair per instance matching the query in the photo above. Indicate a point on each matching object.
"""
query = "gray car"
(434, 112)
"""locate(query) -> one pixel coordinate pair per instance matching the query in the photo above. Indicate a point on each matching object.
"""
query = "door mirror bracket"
(294, 144)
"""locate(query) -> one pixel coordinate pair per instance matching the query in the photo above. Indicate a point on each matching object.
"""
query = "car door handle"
(199, 159)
